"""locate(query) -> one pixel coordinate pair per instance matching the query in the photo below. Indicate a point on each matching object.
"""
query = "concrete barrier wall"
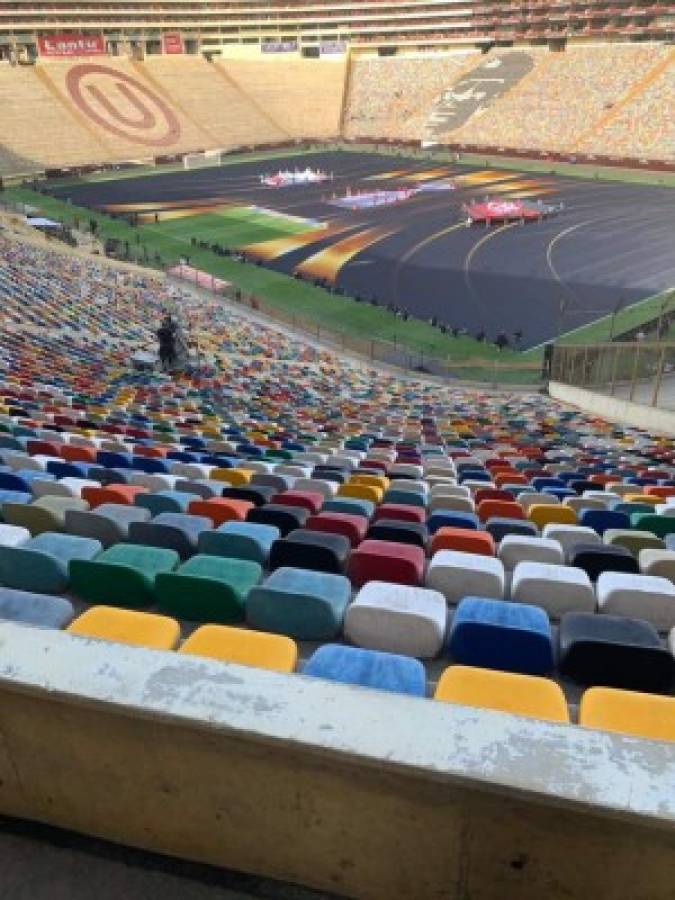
(343, 789)
(614, 409)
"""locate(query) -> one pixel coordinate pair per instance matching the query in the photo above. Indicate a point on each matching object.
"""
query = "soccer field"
(229, 227)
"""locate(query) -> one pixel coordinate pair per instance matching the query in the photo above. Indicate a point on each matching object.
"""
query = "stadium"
(337, 450)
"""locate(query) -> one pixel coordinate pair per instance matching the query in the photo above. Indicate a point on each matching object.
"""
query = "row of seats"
(626, 712)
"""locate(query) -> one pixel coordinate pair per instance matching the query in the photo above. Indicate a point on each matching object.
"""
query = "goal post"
(203, 160)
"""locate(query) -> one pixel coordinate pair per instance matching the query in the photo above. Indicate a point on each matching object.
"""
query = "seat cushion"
(510, 692)
(307, 549)
(397, 619)
(386, 561)
(239, 540)
(457, 575)
(493, 634)
(127, 626)
(367, 668)
(123, 575)
(629, 712)
(34, 609)
(208, 588)
(595, 559)
(243, 647)
(645, 597)
(614, 651)
(299, 603)
(556, 589)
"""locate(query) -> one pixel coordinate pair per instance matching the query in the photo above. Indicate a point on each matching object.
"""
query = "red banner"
(71, 45)
(172, 42)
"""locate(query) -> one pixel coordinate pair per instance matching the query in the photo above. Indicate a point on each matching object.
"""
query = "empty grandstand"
(300, 623)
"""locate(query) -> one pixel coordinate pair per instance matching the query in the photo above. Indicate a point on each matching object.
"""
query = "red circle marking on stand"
(151, 109)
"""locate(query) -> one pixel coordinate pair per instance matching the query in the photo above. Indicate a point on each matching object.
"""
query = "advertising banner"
(279, 47)
(71, 45)
(172, 42)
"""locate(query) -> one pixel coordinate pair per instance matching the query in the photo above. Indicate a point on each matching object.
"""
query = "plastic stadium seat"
(489, 509)
(404, 498)
(221, 509)
(555, 588)
(301, 604)
(447, 518)
(108, 523)
(634, 541)
(243, 647)
(545, 514)
(457, 575)
(386, 561)
(661, 526)
(397, 619)
(44, 514)
(614, 651)
(515, 548)
(34, 609)
(306, 549)
(123, 575)
(658, 562)
(451, 503)
(568, 536)
(111, 493)
(235, 477)
(638, 596)
(601, 520)
(349, 505)
(13, 535)
(399, 532)
(41, 564)
(285, 518)
(499, 528)
(309, 500)
(628, 712)
(125, 626)
(208, 588)
(509, 692)
(327, 489)
(239, 540)
(361, 492)
(257, 494)
(529, 498)
(595, 559)
(493, 634)
(400, 511)
(367, 668)
(464, 539)
(173, 531)
(353, 527)
(165, 501)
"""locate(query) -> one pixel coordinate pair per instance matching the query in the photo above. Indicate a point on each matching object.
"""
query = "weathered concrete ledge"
(615, 409)
(365, 794)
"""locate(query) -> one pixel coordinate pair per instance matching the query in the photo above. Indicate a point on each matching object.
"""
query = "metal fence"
(640, 371)
(493, 372)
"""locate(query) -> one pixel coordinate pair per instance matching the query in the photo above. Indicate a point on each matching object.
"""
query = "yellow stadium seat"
(629, 712)
(235, 477)
(361, 492)
(374, 480)
(244, 647)
(522, 695)
(642, 498)
(127, 626)
(544, 514)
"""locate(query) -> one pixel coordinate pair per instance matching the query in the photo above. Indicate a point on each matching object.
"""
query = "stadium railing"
(485, 371)
(636, 371)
